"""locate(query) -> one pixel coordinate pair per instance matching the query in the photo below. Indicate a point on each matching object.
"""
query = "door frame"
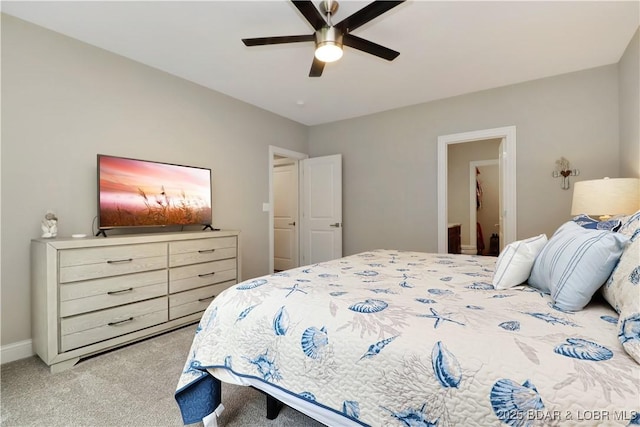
(278, 151)
(508, 135)
(473, 214)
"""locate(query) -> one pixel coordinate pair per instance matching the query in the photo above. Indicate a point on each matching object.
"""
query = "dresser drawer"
(85, 329)
(198, 275)
(91, 263)
(189, 302)
(97, 294)
(202, 250)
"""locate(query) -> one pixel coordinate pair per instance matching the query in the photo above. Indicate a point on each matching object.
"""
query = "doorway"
(319, 194)
(507, 159)
(282, 156)
(484, 206)
(286, 221)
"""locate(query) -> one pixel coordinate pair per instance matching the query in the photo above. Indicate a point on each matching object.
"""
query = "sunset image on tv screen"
(136, 193)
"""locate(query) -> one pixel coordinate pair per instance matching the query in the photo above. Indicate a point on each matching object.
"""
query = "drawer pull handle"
(207, 274)
(119, 261)
(205, 299)
(120, 322)
(121, 291)
(204, 251)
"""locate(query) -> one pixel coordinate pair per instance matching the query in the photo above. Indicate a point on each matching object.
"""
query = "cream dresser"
(96, 293)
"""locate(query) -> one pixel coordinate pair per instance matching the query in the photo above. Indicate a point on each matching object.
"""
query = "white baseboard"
(16, 351)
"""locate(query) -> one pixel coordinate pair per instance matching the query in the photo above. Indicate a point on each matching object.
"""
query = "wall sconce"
(563, 170)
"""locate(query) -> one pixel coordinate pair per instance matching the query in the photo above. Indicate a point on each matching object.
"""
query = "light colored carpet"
(130, 386)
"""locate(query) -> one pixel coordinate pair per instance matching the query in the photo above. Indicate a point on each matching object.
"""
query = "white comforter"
(412, 339)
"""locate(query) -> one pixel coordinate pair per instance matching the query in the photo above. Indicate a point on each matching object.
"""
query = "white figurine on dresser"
(49, 225)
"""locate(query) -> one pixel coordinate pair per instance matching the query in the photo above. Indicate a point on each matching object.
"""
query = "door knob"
(337, 225)
(292, 223)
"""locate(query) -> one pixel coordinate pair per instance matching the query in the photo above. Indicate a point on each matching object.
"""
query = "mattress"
(403, 338)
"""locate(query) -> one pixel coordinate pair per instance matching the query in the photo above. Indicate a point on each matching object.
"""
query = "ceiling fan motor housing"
(328, 35)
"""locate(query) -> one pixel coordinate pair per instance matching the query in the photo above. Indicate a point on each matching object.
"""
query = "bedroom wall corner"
(629, 99)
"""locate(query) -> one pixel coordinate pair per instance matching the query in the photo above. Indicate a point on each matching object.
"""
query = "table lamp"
(606, 197)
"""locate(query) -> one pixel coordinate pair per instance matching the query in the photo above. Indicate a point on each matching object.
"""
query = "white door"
(285, 214)
(321, 209)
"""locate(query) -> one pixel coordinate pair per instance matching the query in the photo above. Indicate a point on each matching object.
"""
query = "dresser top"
(126, 239)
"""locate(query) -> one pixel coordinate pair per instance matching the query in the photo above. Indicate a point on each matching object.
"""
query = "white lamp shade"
(608, 196)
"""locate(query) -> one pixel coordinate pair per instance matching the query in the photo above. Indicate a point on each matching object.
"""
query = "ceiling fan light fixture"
(328, 44)
(328, 52)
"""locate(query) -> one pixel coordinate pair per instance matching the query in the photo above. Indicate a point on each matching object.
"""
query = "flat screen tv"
(144, 193)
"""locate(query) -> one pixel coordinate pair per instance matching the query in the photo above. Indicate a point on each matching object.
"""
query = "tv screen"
(143, 193)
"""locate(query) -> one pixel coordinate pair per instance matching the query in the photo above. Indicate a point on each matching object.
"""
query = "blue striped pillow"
(575, 263)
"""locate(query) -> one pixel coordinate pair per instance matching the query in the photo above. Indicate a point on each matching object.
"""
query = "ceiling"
(447, 48)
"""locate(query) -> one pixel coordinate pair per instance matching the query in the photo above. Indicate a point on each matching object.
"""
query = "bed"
(401, 338)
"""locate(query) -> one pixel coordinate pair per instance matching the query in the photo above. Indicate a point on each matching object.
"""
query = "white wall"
(390, 159)
(64, 101)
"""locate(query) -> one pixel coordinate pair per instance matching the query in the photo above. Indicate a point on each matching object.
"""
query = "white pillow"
(575, 263)
(516, 261)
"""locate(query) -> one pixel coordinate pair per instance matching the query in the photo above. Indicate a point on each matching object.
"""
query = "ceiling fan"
(330, 38)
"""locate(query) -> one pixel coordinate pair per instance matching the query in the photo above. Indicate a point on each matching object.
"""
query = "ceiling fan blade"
(310, 13)
(316, 68)
(260, 41)
(369, 47)
(366, 14)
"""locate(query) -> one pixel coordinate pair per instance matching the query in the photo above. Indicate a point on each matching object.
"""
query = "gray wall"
(64, 101)
(629, 75)
(390, 165)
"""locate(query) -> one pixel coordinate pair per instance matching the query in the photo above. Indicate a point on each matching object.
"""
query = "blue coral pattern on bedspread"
(394, 338)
